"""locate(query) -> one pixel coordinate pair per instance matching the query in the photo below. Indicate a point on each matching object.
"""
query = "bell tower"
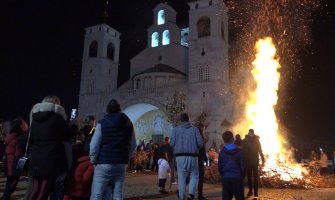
(99, 66)
(208, 21)
(208, 79)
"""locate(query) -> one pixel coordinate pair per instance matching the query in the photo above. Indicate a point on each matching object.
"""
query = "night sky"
(42, 45)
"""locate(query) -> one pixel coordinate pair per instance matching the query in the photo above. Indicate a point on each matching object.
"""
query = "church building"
(192, 61)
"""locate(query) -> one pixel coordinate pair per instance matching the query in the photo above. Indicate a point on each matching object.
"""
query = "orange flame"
(260, 111)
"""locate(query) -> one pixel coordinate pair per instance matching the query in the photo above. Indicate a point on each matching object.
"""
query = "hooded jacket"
(252, 149)
(186, 140)
(163, 168)
(48, 131)
(231, 162)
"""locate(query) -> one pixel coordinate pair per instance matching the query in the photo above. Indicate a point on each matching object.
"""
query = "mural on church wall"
(151, 124)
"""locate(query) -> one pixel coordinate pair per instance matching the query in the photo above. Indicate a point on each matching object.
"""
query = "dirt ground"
(140, 186)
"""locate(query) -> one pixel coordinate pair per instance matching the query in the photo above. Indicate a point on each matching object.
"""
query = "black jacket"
(48, 132)
(252, 149)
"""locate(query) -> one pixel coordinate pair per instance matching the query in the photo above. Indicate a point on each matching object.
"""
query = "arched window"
(204, 27)
(166, 37)
(154, 39)
(161, 17)
(110, 51)
(93, 52)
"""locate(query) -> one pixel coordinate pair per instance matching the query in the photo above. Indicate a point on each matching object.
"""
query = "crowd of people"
(80, 162)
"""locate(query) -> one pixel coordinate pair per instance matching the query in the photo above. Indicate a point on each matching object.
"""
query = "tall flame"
(260, 111)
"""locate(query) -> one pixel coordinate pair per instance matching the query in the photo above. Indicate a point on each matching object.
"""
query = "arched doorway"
(149, 121)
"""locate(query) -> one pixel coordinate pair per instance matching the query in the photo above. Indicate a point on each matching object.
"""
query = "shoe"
(163, 191)
(190, 197)
(174, 183)
(255, 197)
(249, 194)
(202, 198)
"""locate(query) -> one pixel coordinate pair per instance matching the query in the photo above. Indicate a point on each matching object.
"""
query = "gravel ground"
(144, 186)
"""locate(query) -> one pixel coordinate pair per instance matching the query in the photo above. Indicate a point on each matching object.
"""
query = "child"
(231, 168)
(163, 172)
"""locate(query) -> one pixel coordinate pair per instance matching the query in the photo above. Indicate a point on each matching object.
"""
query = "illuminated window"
(110, 51)
(166, 37)
(161, 17)
(93, 51)
(204, 27)
(154, 39)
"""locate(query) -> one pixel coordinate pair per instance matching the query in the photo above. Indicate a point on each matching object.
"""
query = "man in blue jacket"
(112, 145)
(186, 141)
(231, 168)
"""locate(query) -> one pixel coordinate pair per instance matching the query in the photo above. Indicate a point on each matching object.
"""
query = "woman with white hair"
(48, 159)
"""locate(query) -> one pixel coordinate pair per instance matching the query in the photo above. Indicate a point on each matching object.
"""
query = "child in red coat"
(79, 181)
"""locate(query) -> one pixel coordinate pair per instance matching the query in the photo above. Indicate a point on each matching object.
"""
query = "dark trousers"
(172, 165)
(154, 165)
(232, 187)
(252, 175)
(79, 198)
(201, 179)
(148, 162)
(323, 170)
(11, 184)
(161, 183)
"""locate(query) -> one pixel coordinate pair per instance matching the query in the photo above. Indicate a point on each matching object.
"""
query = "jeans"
(187, 165)
(108, 180)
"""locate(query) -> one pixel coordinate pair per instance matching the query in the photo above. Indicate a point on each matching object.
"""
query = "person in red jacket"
(15, 142)
(79, 180)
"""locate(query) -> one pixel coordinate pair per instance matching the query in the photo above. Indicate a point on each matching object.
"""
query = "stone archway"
(150, 122)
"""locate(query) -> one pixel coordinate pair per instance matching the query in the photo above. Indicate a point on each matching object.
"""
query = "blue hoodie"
(231, 162)
(186, 140)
